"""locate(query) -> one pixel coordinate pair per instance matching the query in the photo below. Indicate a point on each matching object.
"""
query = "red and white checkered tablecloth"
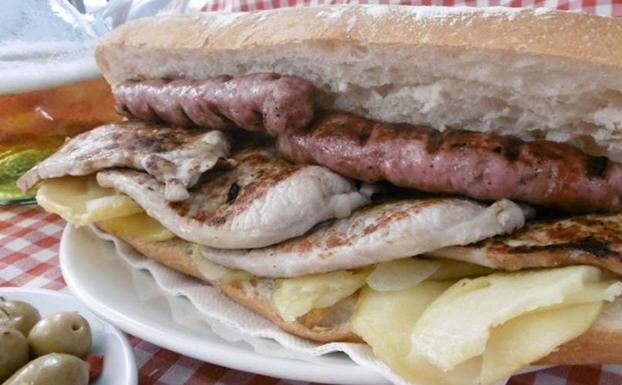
(598, 7)
(29, 239)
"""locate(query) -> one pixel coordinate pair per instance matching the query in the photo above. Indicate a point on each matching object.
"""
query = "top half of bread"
(529, 73)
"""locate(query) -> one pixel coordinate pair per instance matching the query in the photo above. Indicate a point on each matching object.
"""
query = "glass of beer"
(35, 123)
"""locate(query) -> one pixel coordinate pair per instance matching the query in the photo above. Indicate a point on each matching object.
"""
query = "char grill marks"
(262, 201)
(481, 166)
(255, 102)
(174, 156)
(378, 233)
(592, 239)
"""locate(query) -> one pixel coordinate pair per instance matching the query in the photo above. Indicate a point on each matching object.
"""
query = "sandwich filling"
(286, 224)
(592, 239)
(243, 207)
(254, 102)
(377, 233)
(173, 156)
(478, 165)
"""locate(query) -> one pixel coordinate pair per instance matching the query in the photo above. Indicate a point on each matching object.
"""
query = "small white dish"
(108, 342)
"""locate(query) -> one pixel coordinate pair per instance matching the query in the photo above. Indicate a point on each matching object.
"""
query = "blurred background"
(51, 88)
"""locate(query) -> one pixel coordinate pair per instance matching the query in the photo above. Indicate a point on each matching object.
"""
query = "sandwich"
(443, 185)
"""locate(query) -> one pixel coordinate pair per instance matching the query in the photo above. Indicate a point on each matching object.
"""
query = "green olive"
(13, 352)
(52, 369)
(19, 315)
(61, 333)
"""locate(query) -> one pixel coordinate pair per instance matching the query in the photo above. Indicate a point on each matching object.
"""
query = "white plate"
(105, 284)
(119, 364)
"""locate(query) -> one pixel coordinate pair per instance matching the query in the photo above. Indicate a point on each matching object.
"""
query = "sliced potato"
(452, 270)
(140, 226)
(528, 338)
(294, 297)
(214, 272)
(421, 371)
(401, 274)
(441, 334)
(405, 273)
(388, 321)
(385, 321)
(81, 201)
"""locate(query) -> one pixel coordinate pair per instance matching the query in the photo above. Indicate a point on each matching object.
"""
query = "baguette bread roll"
(600, 344)
(529, 73)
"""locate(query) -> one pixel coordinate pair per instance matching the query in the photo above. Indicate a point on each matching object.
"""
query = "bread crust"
(599, 345)
(533, 74)
(574, 36)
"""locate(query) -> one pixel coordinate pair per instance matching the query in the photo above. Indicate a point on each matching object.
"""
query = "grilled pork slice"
(594, 239)
(262, 201)
(174, 156)
(375, 234)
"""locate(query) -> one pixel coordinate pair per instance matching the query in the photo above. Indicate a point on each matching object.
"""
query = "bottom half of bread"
(601, 344)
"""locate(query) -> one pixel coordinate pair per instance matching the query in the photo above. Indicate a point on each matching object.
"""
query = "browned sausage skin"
(481, 166)
(256, 102)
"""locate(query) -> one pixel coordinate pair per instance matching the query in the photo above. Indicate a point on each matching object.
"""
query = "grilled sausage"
(255, 102)
(478, 165)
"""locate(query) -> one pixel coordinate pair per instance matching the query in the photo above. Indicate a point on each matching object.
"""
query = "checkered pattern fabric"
(29, 239)
(598, 7)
